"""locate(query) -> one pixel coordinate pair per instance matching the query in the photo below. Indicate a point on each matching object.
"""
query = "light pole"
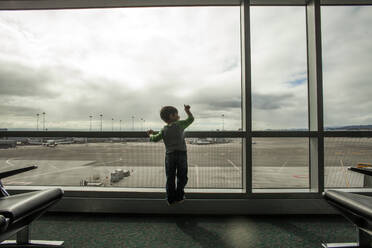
(223, 122)
(112, 124)
(120, 126)
(132, 123)
(101, 115)
(141, 124)
(144, 124)
(37, 121)
(43, 121)
(90, 123)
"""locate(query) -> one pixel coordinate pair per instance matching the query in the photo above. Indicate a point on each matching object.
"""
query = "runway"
(277, 163)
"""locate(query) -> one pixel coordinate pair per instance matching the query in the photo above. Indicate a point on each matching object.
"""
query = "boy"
(176, 152)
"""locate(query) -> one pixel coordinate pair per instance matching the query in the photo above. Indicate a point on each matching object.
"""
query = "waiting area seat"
(358, 210)
(18, 211)
(3, 224)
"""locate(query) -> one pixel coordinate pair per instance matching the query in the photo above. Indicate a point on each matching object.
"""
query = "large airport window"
(214, 163)
(280, 163)
(347, 56)
(113, 69)
(279, 68)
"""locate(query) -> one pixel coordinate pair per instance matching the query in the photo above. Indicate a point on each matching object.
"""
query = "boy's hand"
(187, 108)
(149, 132)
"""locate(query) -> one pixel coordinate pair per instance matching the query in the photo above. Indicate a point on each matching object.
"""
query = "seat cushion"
(359, 204)
(18, 206)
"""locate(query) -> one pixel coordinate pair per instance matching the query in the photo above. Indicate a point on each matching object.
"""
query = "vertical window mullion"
(315, 97)
(246, 95)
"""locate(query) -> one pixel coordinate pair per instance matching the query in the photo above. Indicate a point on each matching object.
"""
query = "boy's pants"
(176, 165)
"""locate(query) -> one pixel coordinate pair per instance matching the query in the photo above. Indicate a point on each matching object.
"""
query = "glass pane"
(279, 68)
(341, 153)
(121, 63)
(347, 62)
(129, 163)
(280, 163)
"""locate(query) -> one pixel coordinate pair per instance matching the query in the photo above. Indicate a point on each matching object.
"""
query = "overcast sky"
(347, 60)
(129, 62)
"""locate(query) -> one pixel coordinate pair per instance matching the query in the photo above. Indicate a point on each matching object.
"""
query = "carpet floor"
(102, 230)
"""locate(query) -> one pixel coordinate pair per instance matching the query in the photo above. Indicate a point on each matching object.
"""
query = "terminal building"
(185, 123)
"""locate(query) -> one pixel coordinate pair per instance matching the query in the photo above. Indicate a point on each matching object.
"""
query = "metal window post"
(315, 97)
(246, 95)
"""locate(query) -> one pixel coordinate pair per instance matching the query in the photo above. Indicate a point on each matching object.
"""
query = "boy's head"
(169, 114)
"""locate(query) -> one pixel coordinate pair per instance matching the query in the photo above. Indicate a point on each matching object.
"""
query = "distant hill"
(334, 128)
(350, 128)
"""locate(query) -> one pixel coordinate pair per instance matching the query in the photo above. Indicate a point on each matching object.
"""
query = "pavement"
(277, 163)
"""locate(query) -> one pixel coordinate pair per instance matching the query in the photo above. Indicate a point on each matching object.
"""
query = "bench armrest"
(364, 171)
(3, 223)
(16, 171)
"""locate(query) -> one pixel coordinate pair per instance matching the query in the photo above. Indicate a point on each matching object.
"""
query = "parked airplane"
(54, 143)
(50, 143)
(208, 141)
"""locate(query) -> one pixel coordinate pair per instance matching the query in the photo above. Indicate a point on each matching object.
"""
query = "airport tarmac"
(277, 163)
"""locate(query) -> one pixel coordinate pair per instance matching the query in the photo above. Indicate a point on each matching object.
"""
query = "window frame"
(316, 133)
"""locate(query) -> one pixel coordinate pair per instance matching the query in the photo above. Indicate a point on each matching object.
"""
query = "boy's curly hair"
(166, 111)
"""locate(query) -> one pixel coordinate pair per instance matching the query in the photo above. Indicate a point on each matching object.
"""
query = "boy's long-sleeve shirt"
(173, 135)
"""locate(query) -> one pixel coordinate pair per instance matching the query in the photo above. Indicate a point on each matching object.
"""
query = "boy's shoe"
(169, 203)
(182, 200)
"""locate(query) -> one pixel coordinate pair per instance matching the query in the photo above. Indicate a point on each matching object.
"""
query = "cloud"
(347, 65)
(271, 102)
(298, 81)
(118, 62)
(279, 68)
(22, 80)
(130, 62)
(17, 111)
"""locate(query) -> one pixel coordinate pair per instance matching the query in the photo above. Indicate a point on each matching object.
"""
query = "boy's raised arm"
(190, 118)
